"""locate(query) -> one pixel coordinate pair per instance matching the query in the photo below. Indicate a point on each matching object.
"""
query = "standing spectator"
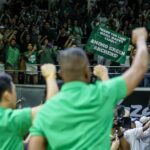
(25, 38)
(47, 31)
(31, 64)
(47, 55)
(81, 107)
(13, 59)
(77, 32)
(62, 38)
(34, 35)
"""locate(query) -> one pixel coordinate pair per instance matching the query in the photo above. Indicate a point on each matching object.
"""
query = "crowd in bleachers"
(33, 32)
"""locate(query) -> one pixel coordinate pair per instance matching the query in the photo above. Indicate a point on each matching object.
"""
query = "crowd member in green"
(31, 63)
(14, 124)
(80, 116)
(12, 59)
(47, 54)
(77, 32)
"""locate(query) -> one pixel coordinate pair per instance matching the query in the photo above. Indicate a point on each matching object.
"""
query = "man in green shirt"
(13, 59)
(80, 116)
(47, 54)
(14, 124)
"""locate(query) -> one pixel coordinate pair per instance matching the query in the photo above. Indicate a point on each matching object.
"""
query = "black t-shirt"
(62, 40)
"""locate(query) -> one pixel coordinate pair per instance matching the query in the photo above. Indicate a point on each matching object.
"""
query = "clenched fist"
(48, 70)
(139, 33)
(101, 72)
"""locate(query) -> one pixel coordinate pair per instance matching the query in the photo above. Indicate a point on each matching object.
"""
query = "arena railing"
(113, 72)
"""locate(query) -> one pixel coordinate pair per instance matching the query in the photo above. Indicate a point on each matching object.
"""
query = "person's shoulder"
(19, 112)
(58, 96)
(7, 111)
(7, 114)
(96, 83)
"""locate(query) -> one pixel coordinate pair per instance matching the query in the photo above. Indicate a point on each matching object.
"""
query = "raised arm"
(135, 74)
(49, 73)
(101, 72)
(145, 127)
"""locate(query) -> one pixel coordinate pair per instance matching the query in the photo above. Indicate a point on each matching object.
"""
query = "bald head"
(74, 65)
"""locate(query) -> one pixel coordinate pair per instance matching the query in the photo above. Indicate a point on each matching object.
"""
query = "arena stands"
(47, 30)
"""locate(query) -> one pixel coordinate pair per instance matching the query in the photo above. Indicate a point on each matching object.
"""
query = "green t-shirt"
(31, 59)
(47, 56)
(80, 116)
(12, 57)
(14, 125)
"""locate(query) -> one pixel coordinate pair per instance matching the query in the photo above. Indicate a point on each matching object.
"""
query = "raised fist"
(139, 33)
(48, 70)
(101, 72)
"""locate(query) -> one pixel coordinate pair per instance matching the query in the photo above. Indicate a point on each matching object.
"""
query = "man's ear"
(6, 96)
(87, 73)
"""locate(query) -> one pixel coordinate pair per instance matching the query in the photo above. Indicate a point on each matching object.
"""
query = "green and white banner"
(109, 44)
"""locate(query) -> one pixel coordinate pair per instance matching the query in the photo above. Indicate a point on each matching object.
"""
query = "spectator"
(13, 59)
(134, 135)
(31, 63)
(77, 32)
(47, 54)
(47, 31)
(69, 18)
(62, 38)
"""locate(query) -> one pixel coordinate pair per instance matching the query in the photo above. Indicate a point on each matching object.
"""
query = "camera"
(124, 122)
(120, 120)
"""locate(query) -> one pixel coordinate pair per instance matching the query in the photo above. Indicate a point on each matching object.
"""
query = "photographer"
(145, 138)
(121, 121)
(134, 135)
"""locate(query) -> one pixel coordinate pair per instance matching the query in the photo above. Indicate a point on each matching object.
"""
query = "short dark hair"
(5, 83)
(73, 63)
(73, 58)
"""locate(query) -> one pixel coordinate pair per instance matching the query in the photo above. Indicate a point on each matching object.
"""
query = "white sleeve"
(137, 132)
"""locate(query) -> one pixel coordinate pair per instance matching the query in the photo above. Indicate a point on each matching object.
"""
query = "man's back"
(77, 118)
(14, 124)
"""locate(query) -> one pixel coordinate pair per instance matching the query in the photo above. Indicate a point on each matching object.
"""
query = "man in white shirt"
(134, 135)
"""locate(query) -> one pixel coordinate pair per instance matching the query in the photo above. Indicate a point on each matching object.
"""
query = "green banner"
(109, 44)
